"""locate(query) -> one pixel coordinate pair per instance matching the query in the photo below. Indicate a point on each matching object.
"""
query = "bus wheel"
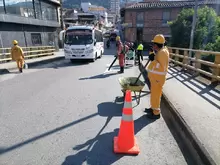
(101, 55)
(94, 59)
(72, 60)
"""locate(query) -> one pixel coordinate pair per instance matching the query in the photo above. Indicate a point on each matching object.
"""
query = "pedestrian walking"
(17, 55)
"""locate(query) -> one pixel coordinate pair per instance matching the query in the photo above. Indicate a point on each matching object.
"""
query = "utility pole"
(193, 27)
(61, 15)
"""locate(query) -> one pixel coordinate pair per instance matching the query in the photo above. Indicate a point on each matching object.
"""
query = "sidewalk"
(6, 67)
(197, 103)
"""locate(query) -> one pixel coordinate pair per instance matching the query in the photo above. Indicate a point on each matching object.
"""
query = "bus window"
(98, 36)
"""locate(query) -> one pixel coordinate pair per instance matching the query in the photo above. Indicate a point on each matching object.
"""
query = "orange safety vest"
(158, 68)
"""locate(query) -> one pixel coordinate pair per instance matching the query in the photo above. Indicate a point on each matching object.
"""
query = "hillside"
(76, 3)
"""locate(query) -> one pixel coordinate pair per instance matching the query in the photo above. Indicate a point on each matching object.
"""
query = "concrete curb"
(192, 143)
(33, 64)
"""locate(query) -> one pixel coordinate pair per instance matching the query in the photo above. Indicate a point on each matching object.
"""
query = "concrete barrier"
(189, 140)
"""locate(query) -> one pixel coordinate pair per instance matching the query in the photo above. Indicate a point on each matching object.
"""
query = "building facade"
(31, 22)
(115, 6)
(146, 19)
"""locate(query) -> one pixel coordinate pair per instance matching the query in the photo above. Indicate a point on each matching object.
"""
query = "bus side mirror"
(94, 42)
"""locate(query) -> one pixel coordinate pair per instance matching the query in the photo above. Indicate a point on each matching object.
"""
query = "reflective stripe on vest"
(157, 72)
(127, 117)
(158, 109)
(127, 104)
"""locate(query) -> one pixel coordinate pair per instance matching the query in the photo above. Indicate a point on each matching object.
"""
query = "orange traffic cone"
(126, 142)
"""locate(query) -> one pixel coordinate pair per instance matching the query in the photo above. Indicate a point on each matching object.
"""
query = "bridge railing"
(29, 52)
(180, 56)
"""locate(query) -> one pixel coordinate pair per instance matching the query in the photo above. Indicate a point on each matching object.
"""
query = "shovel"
(112, 63)
(135, 83)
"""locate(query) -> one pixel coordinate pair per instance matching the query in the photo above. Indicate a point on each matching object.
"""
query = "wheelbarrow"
(126, 84)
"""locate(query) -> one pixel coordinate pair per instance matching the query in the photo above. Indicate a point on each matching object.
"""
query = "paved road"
(65, 113)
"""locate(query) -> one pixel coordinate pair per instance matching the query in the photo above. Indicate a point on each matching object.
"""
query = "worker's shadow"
(99, 150)
(100, 76)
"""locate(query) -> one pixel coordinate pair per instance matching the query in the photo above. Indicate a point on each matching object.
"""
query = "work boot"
(152, 116)
(121, 70)
(20, 70)
(148, 110)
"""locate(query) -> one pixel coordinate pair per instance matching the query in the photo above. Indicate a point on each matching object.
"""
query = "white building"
(115, 6)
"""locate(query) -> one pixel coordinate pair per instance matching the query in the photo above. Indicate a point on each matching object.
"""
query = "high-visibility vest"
(140, 47)
(158, 68)
(16, 53)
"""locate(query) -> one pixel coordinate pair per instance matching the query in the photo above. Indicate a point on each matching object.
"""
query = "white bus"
(82, 42)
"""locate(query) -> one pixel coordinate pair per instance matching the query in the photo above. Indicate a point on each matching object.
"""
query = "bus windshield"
(78, 37)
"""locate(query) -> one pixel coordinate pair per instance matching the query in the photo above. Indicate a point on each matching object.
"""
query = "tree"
(206, 31)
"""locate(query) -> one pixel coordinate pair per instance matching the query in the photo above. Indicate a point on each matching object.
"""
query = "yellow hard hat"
(117, 38)
(15, 42)
(159, 38)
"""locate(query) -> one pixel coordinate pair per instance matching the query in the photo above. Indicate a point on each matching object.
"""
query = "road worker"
(140, 52)
(17, 55)
(121, 50)
(157, 70)
(117, 40)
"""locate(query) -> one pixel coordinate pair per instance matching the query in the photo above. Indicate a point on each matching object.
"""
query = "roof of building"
(169, 4)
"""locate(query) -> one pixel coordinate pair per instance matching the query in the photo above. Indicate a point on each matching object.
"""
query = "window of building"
(22, 7)
(49, 12)
(36, 39)
(140, 17)
(38, 9)
(2, 10)
(51, 39)
(166, 17)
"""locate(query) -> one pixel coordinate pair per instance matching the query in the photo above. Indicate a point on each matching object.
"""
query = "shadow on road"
(31, 140)
(193, 82)
(99, 76)
(71, 64)
(99, 150)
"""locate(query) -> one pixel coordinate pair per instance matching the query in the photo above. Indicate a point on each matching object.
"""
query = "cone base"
(132, 151)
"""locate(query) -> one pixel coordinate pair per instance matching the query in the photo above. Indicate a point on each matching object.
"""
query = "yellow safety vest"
(16, 53)
(140, 47)
(158, 68)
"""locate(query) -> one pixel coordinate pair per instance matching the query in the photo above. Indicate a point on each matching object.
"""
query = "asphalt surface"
(64, 113)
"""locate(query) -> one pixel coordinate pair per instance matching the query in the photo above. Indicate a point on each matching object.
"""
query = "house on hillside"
(146, 19)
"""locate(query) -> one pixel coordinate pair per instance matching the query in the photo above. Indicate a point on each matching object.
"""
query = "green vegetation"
(207, 31)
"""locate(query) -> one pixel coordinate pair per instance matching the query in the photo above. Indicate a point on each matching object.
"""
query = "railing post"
(185, 60)
(216, 71)
(197, 63)
(176, 58)
(8, 51)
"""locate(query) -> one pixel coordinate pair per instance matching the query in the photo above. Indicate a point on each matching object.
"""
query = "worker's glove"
(151, 56)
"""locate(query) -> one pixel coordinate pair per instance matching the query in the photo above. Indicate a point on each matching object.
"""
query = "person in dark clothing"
(108, 43)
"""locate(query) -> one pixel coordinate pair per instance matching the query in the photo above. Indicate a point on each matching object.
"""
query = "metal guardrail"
(184, 61)
(29, 52)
